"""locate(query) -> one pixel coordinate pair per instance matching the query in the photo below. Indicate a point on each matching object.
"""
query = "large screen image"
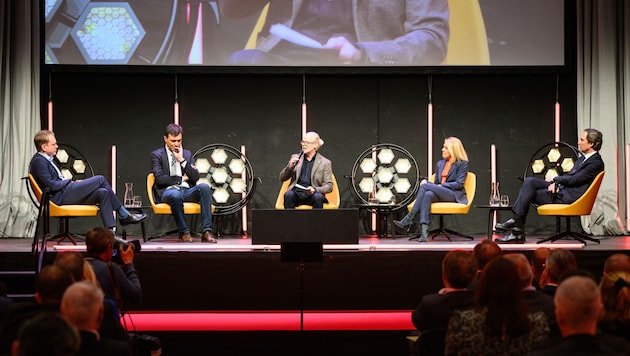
(297, 33)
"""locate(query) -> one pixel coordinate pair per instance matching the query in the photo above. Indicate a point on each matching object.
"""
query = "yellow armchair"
(332, 197)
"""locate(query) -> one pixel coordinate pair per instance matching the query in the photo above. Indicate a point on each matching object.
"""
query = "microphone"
(300, 155)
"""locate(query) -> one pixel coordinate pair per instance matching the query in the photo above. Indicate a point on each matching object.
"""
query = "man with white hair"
(578, 309)
(82, 305)
(310, 173)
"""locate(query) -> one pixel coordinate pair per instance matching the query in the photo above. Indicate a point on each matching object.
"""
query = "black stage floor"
(234, 276)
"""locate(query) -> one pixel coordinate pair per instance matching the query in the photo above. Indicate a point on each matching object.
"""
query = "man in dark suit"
(93, 190)
(564, 189)
(434, 311)
(310, 173)
(534, 299)
(176, 182)
(82, 306)
(579, 307)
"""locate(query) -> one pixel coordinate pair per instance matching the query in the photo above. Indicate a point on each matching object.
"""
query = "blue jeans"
(201, 193)
(427, 194)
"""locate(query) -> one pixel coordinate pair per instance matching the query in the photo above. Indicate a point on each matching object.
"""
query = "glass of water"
(505, 201)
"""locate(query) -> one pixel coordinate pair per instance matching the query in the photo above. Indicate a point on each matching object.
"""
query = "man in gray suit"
(310, 173)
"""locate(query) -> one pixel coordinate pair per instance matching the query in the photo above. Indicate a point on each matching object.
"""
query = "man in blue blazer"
(93, 190)
(176, 182)
(563, 189)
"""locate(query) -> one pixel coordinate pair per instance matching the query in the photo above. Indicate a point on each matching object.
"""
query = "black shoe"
(516, 236)
(506, 226)
(132, 219)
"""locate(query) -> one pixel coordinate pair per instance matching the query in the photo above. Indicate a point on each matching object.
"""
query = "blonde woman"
(448, 186)
(615, 289)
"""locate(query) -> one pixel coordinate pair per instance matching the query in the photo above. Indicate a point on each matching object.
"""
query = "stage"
(237, 297)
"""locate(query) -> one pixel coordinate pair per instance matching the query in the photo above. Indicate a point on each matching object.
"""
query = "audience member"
(110, 327)
(539, 256)
(578, 310)
(46, 334)
(558, 263)
(484, 252)
(119, 282)
(50, 284)
(499, 323)
(617, 262)
(82, 305)
(534, 299)
(434, 311)
(615, 291)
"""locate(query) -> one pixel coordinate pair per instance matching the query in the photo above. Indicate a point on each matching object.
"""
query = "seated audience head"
(578, 306)
(82, 305)
(539, 256)
(458, 269)
(617, 262)
(615, 291)
(73, 262)
(524, 269)
(558, 263)
(78, 266)
(46, 334)
(499, 293)
(50, 284)
(485, 251)
(99, 242)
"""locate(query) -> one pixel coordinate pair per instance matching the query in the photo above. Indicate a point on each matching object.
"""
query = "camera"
(118, 242)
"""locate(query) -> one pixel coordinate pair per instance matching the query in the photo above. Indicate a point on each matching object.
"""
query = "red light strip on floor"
(270, 321)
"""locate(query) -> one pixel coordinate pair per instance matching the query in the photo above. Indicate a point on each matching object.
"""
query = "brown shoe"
(207, 236)
(185, 237)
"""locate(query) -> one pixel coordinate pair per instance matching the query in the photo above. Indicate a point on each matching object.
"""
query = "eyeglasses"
(307, 142)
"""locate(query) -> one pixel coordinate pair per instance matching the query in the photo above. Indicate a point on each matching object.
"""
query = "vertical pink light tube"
(243, 195)
(493, 163)
(50, 115)
(113, 168)
(557, 122)
(627, 187)
(303, 119)
(374, 212)
(429, 139)
(176, 113)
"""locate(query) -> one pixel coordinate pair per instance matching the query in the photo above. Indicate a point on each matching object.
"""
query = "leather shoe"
(185, 237)
(506, 226)
(132, 219)
(208, 236)
(516, 236)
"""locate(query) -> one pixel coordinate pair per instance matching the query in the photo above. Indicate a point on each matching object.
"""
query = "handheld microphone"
(300, 155)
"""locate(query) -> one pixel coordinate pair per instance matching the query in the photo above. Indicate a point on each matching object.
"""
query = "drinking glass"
(137, 201)
(505, 200)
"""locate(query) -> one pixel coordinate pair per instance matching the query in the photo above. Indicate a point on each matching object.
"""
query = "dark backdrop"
(515, 111)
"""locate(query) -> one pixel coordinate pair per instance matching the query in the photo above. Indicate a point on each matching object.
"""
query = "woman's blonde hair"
(456, 149)
(615, 290)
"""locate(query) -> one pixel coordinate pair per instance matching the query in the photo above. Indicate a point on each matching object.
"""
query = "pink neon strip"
(304, 121)
(196, 51)
(113, 168)
(50, 115)
(557, 122)
(430, 140)
(278, 321)
(176, 113)
(243, 195)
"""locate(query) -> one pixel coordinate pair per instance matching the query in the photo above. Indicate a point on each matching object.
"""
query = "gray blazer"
(321, 175)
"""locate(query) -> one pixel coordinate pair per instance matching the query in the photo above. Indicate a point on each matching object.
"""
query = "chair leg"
(64, 225)
(568, 233)
(444, 231)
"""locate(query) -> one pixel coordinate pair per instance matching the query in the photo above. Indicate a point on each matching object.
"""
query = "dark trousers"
(93, 190)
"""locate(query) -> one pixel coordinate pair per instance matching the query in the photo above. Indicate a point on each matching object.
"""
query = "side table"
(491, 210)
(383, 214)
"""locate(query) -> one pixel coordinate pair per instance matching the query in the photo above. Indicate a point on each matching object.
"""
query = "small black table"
(491, 210)
(383, 214)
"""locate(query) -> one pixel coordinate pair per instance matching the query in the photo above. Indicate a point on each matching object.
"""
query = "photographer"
(119, 281)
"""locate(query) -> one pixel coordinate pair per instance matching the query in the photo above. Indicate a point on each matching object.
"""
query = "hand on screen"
(348, 52)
